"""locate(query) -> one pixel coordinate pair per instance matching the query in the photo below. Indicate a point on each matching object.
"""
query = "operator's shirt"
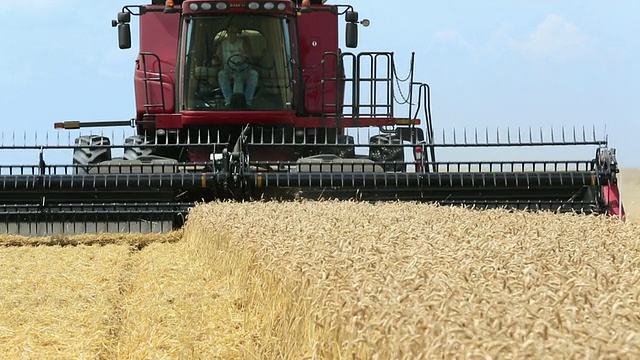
(229, 49)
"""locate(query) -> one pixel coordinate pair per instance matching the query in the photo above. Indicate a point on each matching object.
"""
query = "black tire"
(387, 154)
(89, 150)
(138, 148)
(345, 152)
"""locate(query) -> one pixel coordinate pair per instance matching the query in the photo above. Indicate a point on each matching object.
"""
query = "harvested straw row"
(136, 240)
(177, 309)
(115, 302)
(329, 280)
(60, 302)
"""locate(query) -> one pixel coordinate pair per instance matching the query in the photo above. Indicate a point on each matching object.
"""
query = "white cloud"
(447, 35)
(555, 37)
(451, 36)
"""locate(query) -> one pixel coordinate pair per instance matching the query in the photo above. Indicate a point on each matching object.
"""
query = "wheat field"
(630, 192)
(331, 280)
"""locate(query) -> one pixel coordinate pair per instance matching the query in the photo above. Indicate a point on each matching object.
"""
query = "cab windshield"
(238, 62)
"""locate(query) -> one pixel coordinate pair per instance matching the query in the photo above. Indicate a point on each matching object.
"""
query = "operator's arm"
(217, 57)
(248, 53)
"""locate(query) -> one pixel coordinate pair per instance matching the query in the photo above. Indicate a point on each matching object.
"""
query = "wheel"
(237, 63)
(89, 151)
(387, 154)
(137, 149)
(345, 152)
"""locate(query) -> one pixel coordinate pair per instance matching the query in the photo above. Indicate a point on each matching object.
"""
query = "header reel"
(145, 190)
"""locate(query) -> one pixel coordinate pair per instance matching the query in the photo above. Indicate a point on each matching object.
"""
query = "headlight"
(269, 6)
(282, 6)
(253, 6)
(221, 6)
(194, 7)
(206, 6)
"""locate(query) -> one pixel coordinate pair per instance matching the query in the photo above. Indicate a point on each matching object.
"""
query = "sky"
(496, 64)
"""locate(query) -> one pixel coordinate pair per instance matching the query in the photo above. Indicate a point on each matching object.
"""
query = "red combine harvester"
(255, 100)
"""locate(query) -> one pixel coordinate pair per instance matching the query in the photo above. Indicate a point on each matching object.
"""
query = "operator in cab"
(236, 76)
(242, 63)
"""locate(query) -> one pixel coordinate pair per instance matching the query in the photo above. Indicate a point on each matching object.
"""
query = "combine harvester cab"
(253, 100)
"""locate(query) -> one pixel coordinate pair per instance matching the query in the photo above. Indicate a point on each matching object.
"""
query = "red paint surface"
(159, 35)
(611, 195)
(318, 34)
(204, 118)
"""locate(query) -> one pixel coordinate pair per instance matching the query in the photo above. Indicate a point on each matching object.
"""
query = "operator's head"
(232, 31)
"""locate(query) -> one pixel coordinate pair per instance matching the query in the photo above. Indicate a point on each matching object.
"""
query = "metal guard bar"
(424, 181)
(92, 182)
(79, 218)
(94, 202)
(428, 181)
(96, 209)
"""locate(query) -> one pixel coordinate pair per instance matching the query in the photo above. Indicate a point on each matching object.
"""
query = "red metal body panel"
(169, 121)
(204, 118)
(611, 195)
(318, 34)
(159, 35)
(212, 118)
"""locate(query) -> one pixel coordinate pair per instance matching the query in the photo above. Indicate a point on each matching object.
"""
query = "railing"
(147, 78)
(368, 84)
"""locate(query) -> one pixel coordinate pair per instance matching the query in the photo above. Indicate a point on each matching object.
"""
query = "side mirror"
(124, 17)
(352, 29)
(124, 36)
(351, 16)
(124, 29)
(351, 40)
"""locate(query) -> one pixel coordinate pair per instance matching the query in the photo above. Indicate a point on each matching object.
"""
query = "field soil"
(331, 280)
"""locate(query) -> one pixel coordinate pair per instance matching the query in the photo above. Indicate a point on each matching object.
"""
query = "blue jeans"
(225, 77)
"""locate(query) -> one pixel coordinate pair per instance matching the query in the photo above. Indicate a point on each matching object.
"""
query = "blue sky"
(498, 63)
